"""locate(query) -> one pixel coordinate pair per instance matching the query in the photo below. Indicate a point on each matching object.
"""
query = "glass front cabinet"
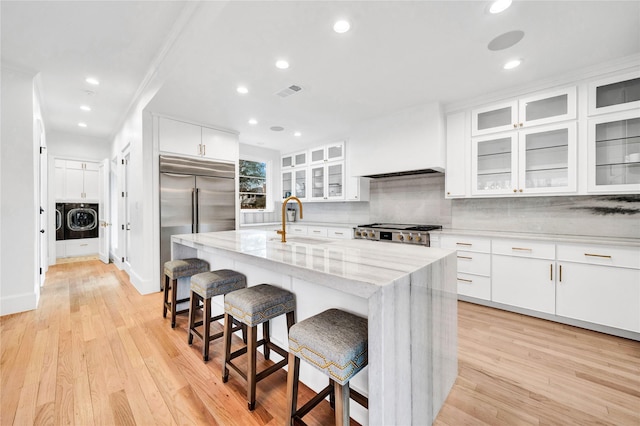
(614, 153)
(539, 160)
(327, 181)
(615, 94)
(539, 109)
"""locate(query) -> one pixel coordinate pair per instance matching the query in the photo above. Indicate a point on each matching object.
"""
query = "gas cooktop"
(396, 232)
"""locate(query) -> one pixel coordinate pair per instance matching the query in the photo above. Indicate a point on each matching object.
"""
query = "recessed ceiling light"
(242, 90)
(282, 64)
(253, 121)
(297, 134)
(85, 108)
(341, 26)
(512, 64)
(499, 6)
(92, 80)
(82, 124)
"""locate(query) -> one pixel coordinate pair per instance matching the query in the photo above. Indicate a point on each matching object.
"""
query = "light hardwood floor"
(97, 352)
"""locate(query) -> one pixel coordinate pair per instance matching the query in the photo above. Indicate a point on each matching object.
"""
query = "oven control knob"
(418, 238)
(372, 234)
(358, 233)
(410, 237)
(401, 237)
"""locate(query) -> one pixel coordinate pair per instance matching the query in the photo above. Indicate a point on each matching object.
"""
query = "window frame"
(268, 182)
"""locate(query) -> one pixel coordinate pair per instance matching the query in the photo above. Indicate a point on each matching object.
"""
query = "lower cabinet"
(599, 285)
(474, 264)
(76, 248)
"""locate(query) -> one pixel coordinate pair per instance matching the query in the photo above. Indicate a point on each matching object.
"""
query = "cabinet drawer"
(627, 257)
(342, 233)
(474, 263)
(455, 242)
(317, 231)
(474, 286)
(524, 248)
(82, 247)
(296, 230)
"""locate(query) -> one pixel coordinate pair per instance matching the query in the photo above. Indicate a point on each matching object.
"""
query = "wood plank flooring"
(97, 352)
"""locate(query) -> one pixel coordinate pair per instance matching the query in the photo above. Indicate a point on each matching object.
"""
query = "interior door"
(176, 211)
(216, 209)
(104, 210)
(43, 252)
(126, 228)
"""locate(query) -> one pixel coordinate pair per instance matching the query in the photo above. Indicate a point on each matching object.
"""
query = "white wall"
(77, 146)
(19, 276)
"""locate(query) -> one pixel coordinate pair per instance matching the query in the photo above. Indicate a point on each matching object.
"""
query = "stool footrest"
(310, 405)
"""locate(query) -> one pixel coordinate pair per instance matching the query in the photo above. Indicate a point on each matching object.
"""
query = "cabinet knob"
(515, 126)
(448, 193)
(515, 190)
(521, 190)
(520, 124)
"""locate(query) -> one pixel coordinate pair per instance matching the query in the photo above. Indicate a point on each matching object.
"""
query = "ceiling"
(396, 55)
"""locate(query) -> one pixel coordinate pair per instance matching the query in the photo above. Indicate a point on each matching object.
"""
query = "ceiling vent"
(293, 89)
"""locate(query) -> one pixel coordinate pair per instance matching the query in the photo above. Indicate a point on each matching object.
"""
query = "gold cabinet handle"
(551, 272)
(464, 244)
(604, 256)
(521, 249)
(465, 257)
(466, 281)
(515, 125)
(560, 274)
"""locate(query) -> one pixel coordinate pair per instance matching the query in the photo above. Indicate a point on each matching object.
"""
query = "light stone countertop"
(354, 266)
(301, 222)
(556, 238)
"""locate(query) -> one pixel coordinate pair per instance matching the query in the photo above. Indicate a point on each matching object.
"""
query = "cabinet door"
(614, 153)
(549, 107)
(494, 161)
(179, 137)
(335, 180)
(317, 155)
(286, 161)
(456, 169)
(91, 185)
(74, 181)
(357, 188)
(613, 94)
(599, 294)
(523, 282)
(335, 151)
(300, 159)
(287, 184)
(300, 176)
(317, 182)
(219, 145)
(59, 178)
(547, 159)
(494, 118)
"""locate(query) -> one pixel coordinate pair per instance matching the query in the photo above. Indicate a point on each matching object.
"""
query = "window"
(253, 185)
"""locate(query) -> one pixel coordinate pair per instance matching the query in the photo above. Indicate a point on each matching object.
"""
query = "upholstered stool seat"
(336, 343)
(253, 306)
(204, 286)
(173, 270)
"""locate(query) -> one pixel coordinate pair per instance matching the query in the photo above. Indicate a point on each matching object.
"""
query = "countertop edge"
(580, 239)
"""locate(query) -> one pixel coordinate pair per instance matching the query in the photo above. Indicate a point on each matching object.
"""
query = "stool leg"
(342, 403)
(206, 325)
(332, 395)
(174, 291)
(251, 367)
(292, 387)
(166, 296)
(266, 350)
(226, 337)
(193, 305)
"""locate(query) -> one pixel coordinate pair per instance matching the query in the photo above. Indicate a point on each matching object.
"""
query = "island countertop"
(408, 293)
(356, 266)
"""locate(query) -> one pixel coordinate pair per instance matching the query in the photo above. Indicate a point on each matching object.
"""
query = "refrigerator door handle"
(196, 217)
(193, 210)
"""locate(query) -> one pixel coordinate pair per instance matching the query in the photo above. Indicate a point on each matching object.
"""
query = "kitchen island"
(408, 294)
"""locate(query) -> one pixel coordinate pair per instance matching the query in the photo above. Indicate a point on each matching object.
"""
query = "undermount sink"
(300, 240)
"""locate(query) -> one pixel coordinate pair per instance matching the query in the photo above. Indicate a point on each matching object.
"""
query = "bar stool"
(336, 343)
(173, 270)
(204, 286)
(253, 306)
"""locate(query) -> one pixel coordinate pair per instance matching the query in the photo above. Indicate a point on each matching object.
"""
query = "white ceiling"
(397, 54)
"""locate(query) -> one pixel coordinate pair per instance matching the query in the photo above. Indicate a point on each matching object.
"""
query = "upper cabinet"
(323, 154)
(614, 153)
(539, 160)
(543, 108)
(76, 180)
(616, 93)
(190, 139)
(298, 159)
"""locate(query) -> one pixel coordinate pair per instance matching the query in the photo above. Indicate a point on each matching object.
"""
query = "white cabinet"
(539, 160)
(537, 109)
(190, 139)
(295, 229)
(615, 93)
(327, 181)
(325, 153)
(456, 169)
(523, 274)
(298, 159)
(317, 231)
(294, 182)
(614, 153)
(76, 180)
(599, 284)
(357, 188)
(77, 248)
(474, 264)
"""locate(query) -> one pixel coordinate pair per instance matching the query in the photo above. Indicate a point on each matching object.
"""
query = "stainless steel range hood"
(406, 173)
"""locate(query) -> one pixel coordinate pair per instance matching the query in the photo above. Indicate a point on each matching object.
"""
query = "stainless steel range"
(394, 232)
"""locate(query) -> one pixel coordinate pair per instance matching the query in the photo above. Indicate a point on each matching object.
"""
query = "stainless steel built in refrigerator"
(195, 196)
